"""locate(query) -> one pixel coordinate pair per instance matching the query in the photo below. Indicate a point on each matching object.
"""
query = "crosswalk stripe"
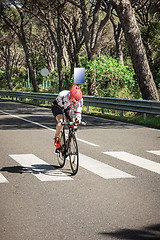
(39, 168)
(101, 169)
(3, 179)
(155, 152)
(135, 160)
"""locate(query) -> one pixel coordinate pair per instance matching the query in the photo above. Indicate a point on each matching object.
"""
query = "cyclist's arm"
(62, 99)
(79, 110)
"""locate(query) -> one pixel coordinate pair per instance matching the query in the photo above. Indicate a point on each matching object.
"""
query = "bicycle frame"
(69, 146)
(71, 132)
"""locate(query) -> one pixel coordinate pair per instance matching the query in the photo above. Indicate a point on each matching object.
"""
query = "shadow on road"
(14, 169)
(37, 169)
(44, 117)
(147, 233)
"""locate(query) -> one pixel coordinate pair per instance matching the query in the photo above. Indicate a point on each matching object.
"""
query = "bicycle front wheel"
(61, 155)
(73, 155)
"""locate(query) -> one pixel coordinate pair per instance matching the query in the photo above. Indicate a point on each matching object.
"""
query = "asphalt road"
(115, 195)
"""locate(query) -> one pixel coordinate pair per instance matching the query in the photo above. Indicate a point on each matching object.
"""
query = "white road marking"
(41, 125)
(155, 152)
(3, 179)
(39, 168)
(135, 160)
(101, 169)
(84, 141)
(51, 129)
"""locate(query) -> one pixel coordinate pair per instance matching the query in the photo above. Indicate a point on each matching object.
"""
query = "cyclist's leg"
(59, 119)
(58, 114)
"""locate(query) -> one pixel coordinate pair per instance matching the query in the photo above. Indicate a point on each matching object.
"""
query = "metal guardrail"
(132, 105)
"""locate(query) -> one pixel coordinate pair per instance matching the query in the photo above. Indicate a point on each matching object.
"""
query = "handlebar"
(71, 123)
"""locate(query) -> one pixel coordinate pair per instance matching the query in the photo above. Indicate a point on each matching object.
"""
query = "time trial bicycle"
(68, 145)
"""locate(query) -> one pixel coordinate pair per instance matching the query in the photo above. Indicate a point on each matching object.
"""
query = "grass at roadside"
(130, 117)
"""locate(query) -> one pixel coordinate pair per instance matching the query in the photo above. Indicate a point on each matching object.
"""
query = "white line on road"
(84, 141)
(43, 126)
(101, 169)
(3, 179)
(39, 168)
(135, 160)
(155, 152)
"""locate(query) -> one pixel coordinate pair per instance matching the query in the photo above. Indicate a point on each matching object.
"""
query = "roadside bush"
(113, 79)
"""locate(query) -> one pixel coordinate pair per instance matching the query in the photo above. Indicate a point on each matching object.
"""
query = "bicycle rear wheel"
(73, 155)
(61, 155)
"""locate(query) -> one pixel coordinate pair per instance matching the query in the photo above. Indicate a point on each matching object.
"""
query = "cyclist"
(67, 99)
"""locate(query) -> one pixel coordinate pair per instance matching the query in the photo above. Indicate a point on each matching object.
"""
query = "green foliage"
(113, 79)
(19, 78)
(3, 82)
(83, 61)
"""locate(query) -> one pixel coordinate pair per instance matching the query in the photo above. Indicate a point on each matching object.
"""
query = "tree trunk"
(30, 66)
(76, 59)
(118, 39)
(59, 53)
(71, 69)
(137, 51)
(92, 87)
(89, 47)
(119, 45)
(8, 68)
(22, 38)
(92, 36)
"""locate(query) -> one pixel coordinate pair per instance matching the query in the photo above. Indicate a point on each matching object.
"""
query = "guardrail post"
(144, 116)
(121, 113)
